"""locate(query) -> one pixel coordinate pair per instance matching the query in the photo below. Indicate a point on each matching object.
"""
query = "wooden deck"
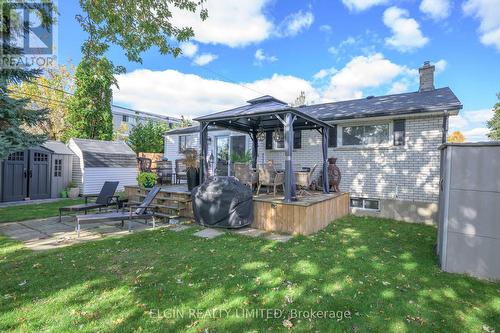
(303, 217)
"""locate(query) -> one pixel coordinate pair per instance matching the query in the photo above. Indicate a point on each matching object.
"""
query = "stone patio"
(49, 233)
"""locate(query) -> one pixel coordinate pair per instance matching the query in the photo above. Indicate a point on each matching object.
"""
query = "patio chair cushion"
(222, 202)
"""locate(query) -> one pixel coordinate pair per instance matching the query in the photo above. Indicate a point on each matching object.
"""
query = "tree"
(121, 132)
(456, 137)
(49, 92)
(185, 122)
(300, 100)
(15, 114)
(136, 26)
(494, 123)
(89, 111)
(148, 137)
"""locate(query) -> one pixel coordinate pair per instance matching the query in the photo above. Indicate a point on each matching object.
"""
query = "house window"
(279, 144)
(185, 142)
(58, 168)
(365, 135)
(368, 204)
(125, 119)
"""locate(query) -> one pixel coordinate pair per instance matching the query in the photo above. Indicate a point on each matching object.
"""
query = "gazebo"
(261, 115)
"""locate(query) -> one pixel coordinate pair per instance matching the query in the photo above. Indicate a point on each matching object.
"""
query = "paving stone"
(208, 233)
(251, 232)
(54, 228)
(277, 237)
(11, 227)
(179, 227)
(27, 236)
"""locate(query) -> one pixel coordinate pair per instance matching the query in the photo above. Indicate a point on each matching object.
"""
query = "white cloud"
(232, 23)
(174, 93)
(323, 73)
(472, 124)
(360, 5)
(398, 87)
(295, 23)
(261, 57)
(406, 31)
(326, 28)
(440, 66)
(204, 59)
(189, 49)
(364, 72)
(488, 13)
(436, 9)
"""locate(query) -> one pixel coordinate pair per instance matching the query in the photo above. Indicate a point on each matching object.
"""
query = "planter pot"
(193, 178)
(64, 194)
(73, 192)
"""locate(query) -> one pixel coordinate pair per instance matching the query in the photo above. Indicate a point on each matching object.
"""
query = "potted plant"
(73, 190)
(147, 179)
(192, 168)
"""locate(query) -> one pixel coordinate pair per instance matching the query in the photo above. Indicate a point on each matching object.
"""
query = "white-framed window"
(125, 118)
(363, 203)
(185, 142)
(365, 135)
(279, 144)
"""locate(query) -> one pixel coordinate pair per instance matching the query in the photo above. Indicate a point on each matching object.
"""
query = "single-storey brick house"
(386, 146)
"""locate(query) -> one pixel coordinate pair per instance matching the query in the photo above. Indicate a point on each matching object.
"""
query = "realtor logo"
(28, 27)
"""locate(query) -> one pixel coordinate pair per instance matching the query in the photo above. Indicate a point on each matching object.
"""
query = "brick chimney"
(426, 77)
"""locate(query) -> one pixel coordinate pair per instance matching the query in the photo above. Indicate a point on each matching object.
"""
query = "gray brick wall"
(409, 172)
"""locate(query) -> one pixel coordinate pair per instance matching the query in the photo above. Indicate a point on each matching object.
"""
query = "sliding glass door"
(226, 149)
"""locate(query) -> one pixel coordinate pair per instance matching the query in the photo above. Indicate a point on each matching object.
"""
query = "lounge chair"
(144, 211)
(103, 199)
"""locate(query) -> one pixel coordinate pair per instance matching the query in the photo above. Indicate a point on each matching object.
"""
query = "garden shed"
(39, 172)
(98, 161)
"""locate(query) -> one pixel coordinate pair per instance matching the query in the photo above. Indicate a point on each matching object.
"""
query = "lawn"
(370, 274)
(34, 211)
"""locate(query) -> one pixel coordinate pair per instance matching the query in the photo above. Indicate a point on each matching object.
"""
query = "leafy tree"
(121, 132)
(494, 123)
(48, 92)
(136, 26)
(300, 100)
(185, 122)
(456, 137)
(147, 137)
(15, 114)
(89, 115)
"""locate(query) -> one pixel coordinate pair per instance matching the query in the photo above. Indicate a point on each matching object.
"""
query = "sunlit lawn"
(34, 211)
(383, 272)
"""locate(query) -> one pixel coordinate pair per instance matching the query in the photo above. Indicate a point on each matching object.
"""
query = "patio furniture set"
(107, 198)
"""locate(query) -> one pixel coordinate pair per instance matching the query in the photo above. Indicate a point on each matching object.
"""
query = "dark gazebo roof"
(260, 114)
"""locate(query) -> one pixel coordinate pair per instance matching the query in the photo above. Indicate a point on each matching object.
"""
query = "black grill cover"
(222, 202)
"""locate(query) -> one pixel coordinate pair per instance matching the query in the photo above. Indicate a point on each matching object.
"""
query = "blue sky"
(332, 50)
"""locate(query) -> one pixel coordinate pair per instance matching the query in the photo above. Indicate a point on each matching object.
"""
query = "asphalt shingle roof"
(106, 154)
(399, 104)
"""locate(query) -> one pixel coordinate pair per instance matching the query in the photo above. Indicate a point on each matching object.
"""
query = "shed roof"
(388, 105)
(106, 154)
(57, 147)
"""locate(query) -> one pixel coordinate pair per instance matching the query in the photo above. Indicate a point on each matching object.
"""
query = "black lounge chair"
(103, 199)
(144, 211)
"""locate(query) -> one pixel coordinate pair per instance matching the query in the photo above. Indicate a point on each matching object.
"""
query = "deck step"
(177, 207)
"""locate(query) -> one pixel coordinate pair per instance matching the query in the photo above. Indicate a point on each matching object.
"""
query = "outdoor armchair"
(268, 176)
(304, 179)
(180, 170)
(105, 198)
(245, 174)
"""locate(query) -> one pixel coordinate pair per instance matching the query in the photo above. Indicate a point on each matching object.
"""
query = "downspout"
(445, 126)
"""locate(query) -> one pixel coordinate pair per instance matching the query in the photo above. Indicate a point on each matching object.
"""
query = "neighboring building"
(130, 118)
(99, 161)
(387, 148)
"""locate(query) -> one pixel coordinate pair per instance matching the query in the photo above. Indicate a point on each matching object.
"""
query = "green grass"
(34, 211)
(382, 271)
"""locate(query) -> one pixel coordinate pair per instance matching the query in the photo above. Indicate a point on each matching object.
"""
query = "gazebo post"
(326, 187)
(203, 151)
(289, 176)
(253, 136)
